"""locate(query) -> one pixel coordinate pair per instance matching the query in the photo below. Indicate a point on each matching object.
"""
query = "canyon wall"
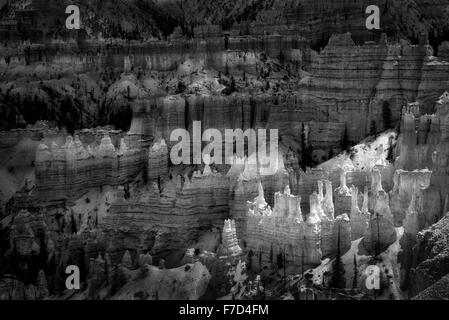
(67, 171)
(285, 234)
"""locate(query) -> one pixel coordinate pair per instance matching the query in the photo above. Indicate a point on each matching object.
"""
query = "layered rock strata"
(67, 171)
(168, 220)
(285, 234)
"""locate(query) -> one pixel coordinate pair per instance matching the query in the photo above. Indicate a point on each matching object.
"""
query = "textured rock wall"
(244, 185)
(431, 257)
(423, 144)
(272, 236)
(69, 170)
(35, 132)
(365, 79)
(285, 234)
(169, 220)
(158, 161)
(406, 185)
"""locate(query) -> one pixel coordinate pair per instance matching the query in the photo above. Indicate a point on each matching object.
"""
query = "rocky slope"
(430, 257)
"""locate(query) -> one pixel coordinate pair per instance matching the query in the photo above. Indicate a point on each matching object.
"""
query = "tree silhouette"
(377, 248)
(373, 128)
(390, 154)
(306, 151)
(338, 271)
(356, 274)
(345, 141)
(181, 87)
(281, 57)
(250, 256)
(331, 153)
(280, 260)
(73, 228)
(386, 115)
(233, 86)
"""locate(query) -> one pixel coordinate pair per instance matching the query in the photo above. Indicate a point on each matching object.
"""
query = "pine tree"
(127, 193)
(281, 57)
(386, 115)
(302, 257)
(345, 141)
(280, 260)
(373, 128)
(390, 155)
(181, 87)
(356, 274)
(106, 269)
(73, 224)
(233, 86)
(284, 265)
(115, 285)
(145, 175)
(250, 259)
(43, 254)
(377, 248)
(331, 153)
(338, 269)
(303, 149)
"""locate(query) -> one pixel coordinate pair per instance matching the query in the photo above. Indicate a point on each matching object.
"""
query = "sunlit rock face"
(273, 235)
(407, 184)
(423, 145)
(379, 235)
(418, 198)
(158, 160)
(343, 195)
(245, 184)
(380, 232)
(229, 242)
(359, 218)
